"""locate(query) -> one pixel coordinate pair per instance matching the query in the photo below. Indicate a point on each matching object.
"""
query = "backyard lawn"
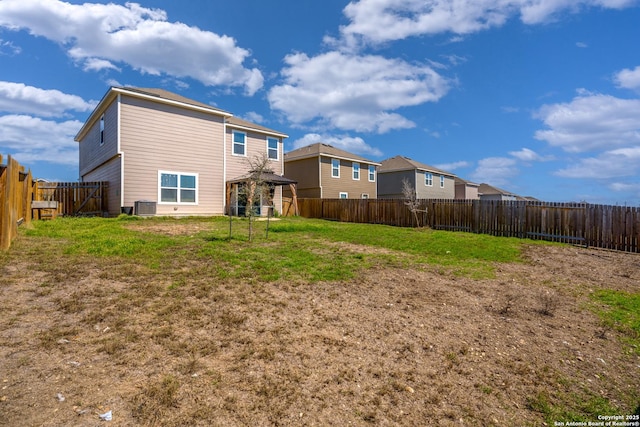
(178, 322)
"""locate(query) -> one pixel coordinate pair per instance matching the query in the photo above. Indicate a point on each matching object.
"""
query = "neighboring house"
(466, 190)
(488, 192)
(427, 181)
(326, 172)
(179, 154)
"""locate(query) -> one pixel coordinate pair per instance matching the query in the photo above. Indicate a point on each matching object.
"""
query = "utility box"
(145, 208)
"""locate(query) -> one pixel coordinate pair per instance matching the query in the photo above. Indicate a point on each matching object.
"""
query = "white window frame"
(372, 173)
(428, 179)
(178, 188)
(343, 195)
(335, 169)
(441, 181)
(269, 149)
(355, 168)
(364, 195)
(101, 130)
(234, 143)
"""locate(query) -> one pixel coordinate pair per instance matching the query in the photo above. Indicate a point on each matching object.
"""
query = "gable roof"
(326, 150)
(402, 163)
(238, 123)
(170, 98)
(489, 189)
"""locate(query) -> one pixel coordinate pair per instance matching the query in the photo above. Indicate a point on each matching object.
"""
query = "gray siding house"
(157, 146)
(489, 192)
(429, 182)
(466, 190)
(326, 172)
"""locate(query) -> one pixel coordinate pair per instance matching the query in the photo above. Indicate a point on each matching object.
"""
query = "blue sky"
(539, 97)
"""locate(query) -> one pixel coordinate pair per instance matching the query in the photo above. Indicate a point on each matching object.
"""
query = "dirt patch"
(393, 347)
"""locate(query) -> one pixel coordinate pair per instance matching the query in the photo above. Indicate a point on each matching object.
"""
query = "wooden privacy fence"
(16, 190)
(75, 198)
(603, 226)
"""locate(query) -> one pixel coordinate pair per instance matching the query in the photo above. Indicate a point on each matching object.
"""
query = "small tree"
(411, 200)
(255, 186)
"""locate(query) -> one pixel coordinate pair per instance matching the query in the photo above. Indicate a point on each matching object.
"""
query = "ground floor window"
(344, 195)
(178, 187)
(261, 200)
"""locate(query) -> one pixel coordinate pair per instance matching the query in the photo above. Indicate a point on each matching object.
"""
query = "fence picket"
(610, 227)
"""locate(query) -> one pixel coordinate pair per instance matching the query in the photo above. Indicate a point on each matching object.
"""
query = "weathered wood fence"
(16, 190)
(602, 226)
(75, 198)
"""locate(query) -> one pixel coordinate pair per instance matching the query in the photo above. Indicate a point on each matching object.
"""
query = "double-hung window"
(239, 143)
(428, 179)
(272, 148)
(178, 187)
(441, 181)
(372, 173)
(335, 168)
(356, 171)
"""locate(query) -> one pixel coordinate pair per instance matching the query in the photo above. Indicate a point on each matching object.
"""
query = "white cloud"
(8, 48)
(591, 122)
(626, 187)
(610, 164)
(528, 155)
(628, 79)
(353, 92)
(354, 145)
(380, 21)
(252, 116)
(582, 45)
(496, 171)
(95, 64)
(34, 139)
(453, 166)
(134, 35)
(18, 98)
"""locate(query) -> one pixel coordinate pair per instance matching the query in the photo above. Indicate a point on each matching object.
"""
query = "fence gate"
(75, 198)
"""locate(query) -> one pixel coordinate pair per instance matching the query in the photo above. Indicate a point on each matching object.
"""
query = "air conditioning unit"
(145, 208)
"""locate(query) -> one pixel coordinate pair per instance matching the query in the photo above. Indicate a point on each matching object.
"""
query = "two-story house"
(157, 146)
(427, 181)
(327, 172)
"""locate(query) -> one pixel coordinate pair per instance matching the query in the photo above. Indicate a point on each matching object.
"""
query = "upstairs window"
(239, 143)
(441, 181)
(272, 148)
(335, 168)
(356, 171)
(102, 129)
(428, 179)
(178, 187)
(372, 173)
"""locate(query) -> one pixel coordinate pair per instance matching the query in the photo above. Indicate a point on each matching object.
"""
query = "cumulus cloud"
(610, 164)
(628, 79)
(496, 171)
(99, 35)
(19, 98)
(354, 92)
(355, 145)
(34, 139)
(453, 166)
(528, 155)
(380, 21)
(591, 122)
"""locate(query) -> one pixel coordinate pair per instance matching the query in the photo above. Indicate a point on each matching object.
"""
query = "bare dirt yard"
(392, 347)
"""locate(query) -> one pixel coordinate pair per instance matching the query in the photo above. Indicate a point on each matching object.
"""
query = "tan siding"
(305, 171)
(110, 172)
(256, 145)
(434, 191)
(332, 187)
(92, 154)
(158, 137)
(390, 184)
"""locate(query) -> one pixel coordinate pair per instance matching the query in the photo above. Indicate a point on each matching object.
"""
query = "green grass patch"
(296, 249)
(622, 313)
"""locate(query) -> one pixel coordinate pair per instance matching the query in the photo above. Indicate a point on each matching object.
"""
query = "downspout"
(320, 174)
(120, 153)
(224, 168)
